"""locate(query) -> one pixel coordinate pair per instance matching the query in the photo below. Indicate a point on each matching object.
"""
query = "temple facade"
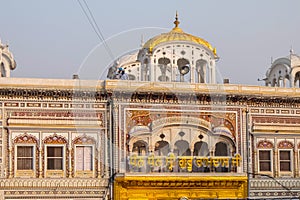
(169, 132)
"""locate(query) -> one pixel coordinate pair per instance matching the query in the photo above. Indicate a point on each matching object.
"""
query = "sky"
(53, 38)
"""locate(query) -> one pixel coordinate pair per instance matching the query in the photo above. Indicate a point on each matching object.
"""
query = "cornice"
(151, 92)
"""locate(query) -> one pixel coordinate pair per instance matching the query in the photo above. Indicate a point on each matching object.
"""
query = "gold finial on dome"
(176, 22)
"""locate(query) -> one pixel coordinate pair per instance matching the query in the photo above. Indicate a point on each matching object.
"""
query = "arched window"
(182, 148)
(3, 71)
(145, 70)
(184, 69)
(26, 155)
(264, 148)
(140, 148)
(55, 155)
(202, 71)
(163, 65)
(221, 149)
(297, 79)
(162, 148)
(201, 149)
(84, 153)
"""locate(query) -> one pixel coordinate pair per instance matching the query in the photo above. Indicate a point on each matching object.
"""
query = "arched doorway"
(182, 148)
(201, 150)
(162, 148)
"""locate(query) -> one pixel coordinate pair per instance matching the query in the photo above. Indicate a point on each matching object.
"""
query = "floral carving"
(55, 139)
(265, 144)
(84, 140)
(285, 145)
(25, 138)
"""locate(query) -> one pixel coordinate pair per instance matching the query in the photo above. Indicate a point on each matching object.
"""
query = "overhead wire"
(90, 17)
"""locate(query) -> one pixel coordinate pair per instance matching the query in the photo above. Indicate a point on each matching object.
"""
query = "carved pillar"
(296, 172)
(10, 167)
(244, 145)
(100, 153)
(255, 160)
(40, 149)
(192, 150)
(98, 172)
(107, 142)
(116, 133)
(192, 70)
(40, 170)
(276, 164)
(70, 159)
(70, 169)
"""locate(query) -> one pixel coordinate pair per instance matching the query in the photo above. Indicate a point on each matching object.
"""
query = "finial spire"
(176, 22)
(291, 50)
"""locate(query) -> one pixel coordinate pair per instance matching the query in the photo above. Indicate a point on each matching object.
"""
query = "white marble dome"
(175, 56)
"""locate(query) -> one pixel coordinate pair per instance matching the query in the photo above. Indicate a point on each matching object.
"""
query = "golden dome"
(176, 34)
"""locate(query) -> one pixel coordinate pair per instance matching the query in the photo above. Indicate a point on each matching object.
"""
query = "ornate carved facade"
(173, 135)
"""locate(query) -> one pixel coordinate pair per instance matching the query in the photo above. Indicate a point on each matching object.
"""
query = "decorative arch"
(202, 71)
(183, 68)
(55, 139)
(163, 66)
(182, 148)
(222, 149)
(84, 140)
(140, 147)
(134, 139)
(201, 149)
(285, 145)
(264, 144)
(162, 148)
(223, 130)
(26, 139)
(182, 120)
(231, 145)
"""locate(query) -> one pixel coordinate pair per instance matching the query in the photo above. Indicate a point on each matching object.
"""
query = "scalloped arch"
(55, 139)
(84, 140)
(26, 138)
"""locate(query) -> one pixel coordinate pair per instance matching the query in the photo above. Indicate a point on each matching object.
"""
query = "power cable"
(99, 31)
(95, 26)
